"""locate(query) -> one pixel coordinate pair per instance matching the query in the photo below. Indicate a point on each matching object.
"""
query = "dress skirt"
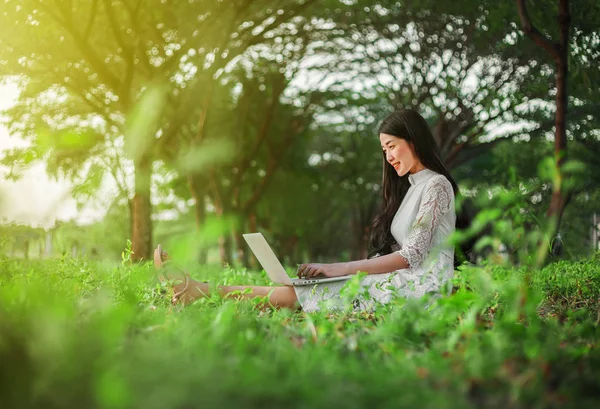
(381, 289)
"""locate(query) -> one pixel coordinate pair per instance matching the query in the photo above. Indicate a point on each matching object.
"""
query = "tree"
(247, 112)
(261, 130)
(559, 52)
(464, 66)
(454, 63)
(90, 71)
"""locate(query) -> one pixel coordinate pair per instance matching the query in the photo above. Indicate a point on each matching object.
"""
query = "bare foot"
(171, 274)
(160, 257)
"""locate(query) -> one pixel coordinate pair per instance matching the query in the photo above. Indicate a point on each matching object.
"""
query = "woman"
(412, 256)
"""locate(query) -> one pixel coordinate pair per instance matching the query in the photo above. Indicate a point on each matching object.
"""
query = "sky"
(34, 199)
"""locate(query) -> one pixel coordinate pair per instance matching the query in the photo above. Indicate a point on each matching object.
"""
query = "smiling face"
(400, 154)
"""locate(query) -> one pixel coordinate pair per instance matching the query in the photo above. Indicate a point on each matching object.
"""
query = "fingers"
(316, 271)
(306, 270)
(311, 271)
(301, 269)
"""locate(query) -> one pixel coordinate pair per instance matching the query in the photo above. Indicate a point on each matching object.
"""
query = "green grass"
(77, 334)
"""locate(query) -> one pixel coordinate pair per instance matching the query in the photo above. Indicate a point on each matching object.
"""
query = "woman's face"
(400, 154)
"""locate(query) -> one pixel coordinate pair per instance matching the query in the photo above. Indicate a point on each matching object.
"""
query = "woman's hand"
(314, 270)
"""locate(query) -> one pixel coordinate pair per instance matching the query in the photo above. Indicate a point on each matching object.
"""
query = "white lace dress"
(421, 227)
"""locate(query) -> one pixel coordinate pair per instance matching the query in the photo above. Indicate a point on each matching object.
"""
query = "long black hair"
(412, 127)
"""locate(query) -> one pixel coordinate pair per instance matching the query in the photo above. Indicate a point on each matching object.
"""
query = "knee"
(284, 297)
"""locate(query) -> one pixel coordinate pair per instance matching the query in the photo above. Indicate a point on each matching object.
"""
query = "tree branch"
(91, 19)
(534, 33)
(133, 18)
(262, 135)
(276, 23)
(274, 160)
(113, 171)
(114, 26)
(218, 194)
(108, 77)
(125, 87)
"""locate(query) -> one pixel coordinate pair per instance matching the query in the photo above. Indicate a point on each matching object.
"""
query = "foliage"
(106, 98)
(262, 115)
(570, 286)
(457, 63)
(77, 333)
(227, 105)
(103, 239)
(16, 239)
(519, 169)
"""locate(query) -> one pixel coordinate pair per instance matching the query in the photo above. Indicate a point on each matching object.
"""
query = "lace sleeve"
(436, 201)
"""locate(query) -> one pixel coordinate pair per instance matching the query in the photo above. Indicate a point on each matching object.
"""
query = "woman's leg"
(284, 296)
(188, 290)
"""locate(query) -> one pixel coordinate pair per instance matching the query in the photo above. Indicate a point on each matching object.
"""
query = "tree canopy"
(264, 113)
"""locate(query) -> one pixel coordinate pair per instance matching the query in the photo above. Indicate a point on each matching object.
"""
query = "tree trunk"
(195, 187)
(201, 251)
(240, 244)
(225, 239)
(558, 201)
(252, 261)
(559, 198)
(225, 249)
(48, 246)
(141, 212)
(559, 52)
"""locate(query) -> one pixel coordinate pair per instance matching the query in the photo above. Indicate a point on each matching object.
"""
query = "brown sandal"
(163, 263)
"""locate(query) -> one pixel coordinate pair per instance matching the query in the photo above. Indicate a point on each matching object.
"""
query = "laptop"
(269, 262)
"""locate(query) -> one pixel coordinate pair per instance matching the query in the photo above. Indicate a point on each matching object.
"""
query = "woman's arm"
(383, 264)
(378, 265)
(436, 202)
